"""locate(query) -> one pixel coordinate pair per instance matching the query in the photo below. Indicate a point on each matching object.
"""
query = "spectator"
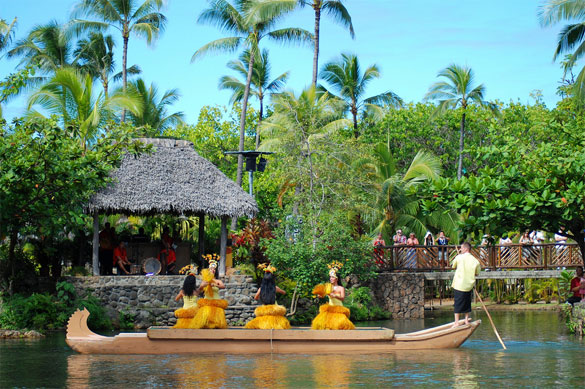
(106, 250)
(504, 241)
(399, 240)
(577, 286)
(141, 236)
(525, 241)
(379, 249)
(121, 259)
(412, 258)
(429, 239)
(442, 240)
(560, 240)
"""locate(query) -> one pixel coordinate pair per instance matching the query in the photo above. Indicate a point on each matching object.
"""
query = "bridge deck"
(520, 274)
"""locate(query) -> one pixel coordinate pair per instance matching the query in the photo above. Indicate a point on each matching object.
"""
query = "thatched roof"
(174, 179)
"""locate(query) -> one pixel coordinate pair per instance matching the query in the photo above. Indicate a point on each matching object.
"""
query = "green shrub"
(126, 320)
(361, 305)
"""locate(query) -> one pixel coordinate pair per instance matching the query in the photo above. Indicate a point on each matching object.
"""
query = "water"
(541, 353)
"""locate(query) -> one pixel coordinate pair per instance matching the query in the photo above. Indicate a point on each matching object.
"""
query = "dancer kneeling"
(188, 293)
(333, 315)
(211, 308)
(270, 315)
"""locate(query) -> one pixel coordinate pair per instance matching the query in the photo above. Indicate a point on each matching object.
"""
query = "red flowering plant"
(249, 245)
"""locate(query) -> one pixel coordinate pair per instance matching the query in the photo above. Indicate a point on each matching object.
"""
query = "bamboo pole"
(490, 318)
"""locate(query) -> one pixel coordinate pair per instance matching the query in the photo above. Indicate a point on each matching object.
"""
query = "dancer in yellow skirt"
(270, 315)
(333, 315)
(211, 308)
(188, 293)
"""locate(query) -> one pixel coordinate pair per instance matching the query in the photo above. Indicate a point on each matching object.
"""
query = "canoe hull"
(165, 340)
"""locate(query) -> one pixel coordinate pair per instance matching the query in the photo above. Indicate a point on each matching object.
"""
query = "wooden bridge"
(552, 257)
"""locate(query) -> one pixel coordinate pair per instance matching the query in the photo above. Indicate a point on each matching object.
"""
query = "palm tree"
(153, 110)
(571, 37)
(143, 18)
(396, 206)
(335, 9)
(96, 57)
(345, 78)
(70, 94)
(6, 33)
(260, 83)
(49, 46)
(457, 91)
(249, 21)
(296, 127)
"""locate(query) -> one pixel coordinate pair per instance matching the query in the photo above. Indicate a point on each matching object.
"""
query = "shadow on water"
(540, 353)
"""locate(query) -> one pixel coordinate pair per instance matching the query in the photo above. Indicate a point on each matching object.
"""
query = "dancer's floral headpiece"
(267, 268)
(190, 270)
(213, 260)
(334, 267)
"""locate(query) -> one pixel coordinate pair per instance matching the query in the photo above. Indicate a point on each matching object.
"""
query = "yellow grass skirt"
(269, 317)
(332, 317)
(210, 314)
(185, 317)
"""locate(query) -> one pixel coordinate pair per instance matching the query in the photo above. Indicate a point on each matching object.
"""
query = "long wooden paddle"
(489, 317)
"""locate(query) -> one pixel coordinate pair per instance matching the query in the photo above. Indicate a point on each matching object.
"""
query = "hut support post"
(201, 237)
(223, 246)
(95, 263)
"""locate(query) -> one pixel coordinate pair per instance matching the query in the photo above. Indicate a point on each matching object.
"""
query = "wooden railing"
(514, 256)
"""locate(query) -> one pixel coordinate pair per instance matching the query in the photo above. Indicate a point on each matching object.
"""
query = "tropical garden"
(349, 164)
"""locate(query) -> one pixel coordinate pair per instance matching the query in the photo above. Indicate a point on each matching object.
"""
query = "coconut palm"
(457, 91)
(571, 38)
(396, 206)
(260, 83)
(70, 94)
(337, 11)
(154, 109)
(49, 46)
(139, 17)
(96, 56)
(249, 21)
(345, 78)
(6, 33)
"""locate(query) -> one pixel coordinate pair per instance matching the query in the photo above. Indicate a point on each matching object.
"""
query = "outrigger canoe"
(238, 340)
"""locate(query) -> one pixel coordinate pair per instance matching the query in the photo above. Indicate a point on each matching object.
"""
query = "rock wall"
(151, 300)
(402, 294)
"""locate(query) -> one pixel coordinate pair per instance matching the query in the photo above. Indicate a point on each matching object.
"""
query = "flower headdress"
(213, 260)
(267, 268)
(334, 267)
(189, 270)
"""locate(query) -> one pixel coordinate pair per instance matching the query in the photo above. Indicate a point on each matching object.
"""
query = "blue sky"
(410, 40)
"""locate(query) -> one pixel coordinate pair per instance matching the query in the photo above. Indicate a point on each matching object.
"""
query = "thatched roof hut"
(175, 180)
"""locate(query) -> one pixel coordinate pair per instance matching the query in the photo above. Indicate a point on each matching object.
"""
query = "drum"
(135, 269)
(151, 266)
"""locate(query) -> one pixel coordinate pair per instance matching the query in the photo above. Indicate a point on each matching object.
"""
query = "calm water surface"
(540, 354)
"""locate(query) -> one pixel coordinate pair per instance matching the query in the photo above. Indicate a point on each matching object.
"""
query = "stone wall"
(151, 299)
(402, 294)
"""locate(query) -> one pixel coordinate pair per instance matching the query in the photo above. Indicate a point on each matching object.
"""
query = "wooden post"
(95, 262)
(201, 237)
(223, 246)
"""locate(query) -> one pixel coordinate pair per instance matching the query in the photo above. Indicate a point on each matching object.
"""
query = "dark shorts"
(462, 301)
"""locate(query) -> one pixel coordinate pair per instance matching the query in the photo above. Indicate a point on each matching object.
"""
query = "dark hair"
(268, 289)
(467, 245)
(189, 285)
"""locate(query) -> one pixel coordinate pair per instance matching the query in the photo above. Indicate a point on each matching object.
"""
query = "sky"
(410, 41)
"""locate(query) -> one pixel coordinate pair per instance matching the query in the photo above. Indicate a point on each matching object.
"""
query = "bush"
(361, 305)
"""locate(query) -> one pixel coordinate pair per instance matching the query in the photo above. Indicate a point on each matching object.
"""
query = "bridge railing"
(513, 256)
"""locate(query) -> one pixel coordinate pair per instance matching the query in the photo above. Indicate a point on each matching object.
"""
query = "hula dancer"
(333, 315)
(211, 308)
(188, 293)
(270, 315)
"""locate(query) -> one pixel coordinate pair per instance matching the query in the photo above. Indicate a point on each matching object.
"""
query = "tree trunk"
(579, 238)
(317, 8)
(261, 98)
(243, 124)
(124, 63)
(461, 143)
(11, 260)
(356, 131)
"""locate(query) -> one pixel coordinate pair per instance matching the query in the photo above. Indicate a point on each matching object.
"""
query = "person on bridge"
(466, 267)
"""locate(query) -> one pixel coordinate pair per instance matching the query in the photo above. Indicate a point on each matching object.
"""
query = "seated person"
(577, 287)
(169, 258)
(141, 236)
(121, 259)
